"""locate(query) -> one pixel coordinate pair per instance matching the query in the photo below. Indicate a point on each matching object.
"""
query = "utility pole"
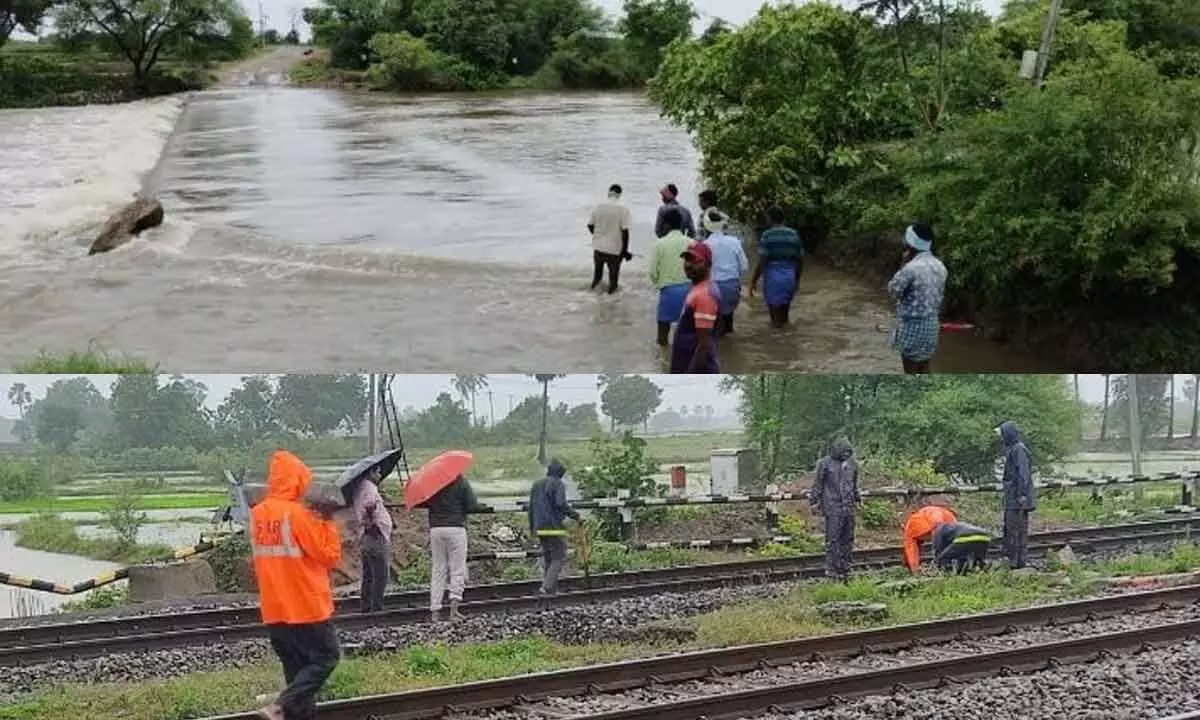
(372, 423)
(1043, 56)
(1135, 427)
(491, 409)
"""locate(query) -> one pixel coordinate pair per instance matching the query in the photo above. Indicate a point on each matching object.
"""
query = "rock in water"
(141, 214)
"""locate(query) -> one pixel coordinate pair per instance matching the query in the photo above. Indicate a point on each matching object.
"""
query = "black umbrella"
(385, 462)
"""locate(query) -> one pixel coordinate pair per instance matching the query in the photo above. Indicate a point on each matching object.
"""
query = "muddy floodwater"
(312, 229)
(54, 567)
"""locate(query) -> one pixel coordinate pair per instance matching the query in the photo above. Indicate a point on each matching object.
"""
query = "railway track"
(40, 643)
(664, 687)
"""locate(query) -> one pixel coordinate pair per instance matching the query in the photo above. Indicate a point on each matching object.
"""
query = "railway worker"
(548, 511)
(779, 265)
(667, 273)
(294, 550)
(1019, 495)
(374, 526)
(918, 528)
(960, 547)
(918, 288)
(448, 510)
(835, 495)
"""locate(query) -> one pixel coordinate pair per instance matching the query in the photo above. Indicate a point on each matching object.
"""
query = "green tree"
(147, 415)
(649, 26)
(19, 395)
(24, 14)
(141, 30)
(630, 399)
(316, 405)
(468, 386)
(1153, 404)
(69, 407)
(444, 424)
(247, 414)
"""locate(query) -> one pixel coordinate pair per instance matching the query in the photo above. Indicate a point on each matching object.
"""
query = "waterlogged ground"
(312, 229)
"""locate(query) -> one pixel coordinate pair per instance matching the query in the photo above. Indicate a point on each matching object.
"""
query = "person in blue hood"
(1019, 498)
(548, 511)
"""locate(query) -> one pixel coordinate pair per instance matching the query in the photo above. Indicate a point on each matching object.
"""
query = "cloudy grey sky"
(421, 390)
(279, 12)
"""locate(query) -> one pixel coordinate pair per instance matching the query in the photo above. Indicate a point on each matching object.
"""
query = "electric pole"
(1135, 426)
(491, 408)
(1043, 57)
(372, 424)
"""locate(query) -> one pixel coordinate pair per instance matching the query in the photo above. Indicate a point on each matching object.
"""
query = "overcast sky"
(421, 390)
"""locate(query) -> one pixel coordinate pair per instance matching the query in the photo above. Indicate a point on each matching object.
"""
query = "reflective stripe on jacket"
(293, 549)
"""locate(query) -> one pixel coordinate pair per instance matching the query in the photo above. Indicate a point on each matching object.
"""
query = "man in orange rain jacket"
(918, 528)
(294, 551)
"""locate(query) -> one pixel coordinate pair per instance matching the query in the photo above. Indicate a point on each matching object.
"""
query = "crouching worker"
(918, 528)
(294, 550)
(960, 547)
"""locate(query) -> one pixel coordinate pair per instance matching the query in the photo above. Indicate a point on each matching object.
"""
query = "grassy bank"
(85, 362)
(792, 616)
(53, 534)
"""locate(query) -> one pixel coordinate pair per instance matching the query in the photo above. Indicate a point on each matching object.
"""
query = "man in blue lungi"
(780, 262)
(729, 264)
(918, 287)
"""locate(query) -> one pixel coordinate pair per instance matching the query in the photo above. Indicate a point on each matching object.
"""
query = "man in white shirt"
(609, 226)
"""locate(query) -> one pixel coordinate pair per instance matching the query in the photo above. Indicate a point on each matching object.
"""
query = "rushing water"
(55, 567)
(317, 230)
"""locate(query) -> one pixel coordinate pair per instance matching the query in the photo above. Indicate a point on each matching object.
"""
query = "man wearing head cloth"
(918, 288)
(728, 266)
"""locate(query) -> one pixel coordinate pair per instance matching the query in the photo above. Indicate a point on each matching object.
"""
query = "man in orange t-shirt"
(918, 528)
(294, 551)
(694, 349)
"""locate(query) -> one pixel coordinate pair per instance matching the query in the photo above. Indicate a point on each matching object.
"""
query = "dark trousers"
(309, 653)
(962, 557)
(839, 544)
(375, 572)
(554, 556)
(600, 260)
(1016, 537)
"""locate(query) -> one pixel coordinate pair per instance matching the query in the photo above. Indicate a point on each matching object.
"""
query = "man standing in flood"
(670, 201)
(609, 225)
(835, 495)
(918, 288)
(729, 264)
(779, 265)
(294, 550)
(708, 199)
(375, 542)
(667, 274)
(695, 347)
(548, 510)
(1019, 495)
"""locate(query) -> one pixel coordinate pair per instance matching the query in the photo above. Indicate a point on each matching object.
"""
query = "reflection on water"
(316, 229)
(54, 567)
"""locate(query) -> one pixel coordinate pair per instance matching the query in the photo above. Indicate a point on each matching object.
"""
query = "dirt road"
(269, 68)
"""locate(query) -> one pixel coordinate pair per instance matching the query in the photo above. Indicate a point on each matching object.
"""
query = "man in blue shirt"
(729, 264)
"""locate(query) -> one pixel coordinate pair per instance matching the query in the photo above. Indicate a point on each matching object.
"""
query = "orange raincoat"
(294, 549)
(918, 528)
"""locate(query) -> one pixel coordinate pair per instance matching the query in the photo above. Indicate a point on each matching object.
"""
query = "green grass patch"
(85, 362)
(1183, 557)
(53, 534)
(193, 501)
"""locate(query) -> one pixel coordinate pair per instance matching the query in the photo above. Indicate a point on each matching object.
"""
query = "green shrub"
(108, 596)
(878, 514)
(20, 479)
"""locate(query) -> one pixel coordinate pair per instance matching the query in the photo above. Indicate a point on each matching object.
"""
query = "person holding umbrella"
(440, 488)
(375, 541)
(548, 510)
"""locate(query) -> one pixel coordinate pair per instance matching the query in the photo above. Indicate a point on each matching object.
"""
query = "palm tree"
(467, 386)
(545, 379)
(19, 395)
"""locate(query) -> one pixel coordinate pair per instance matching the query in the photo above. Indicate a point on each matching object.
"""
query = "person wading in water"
(670, 201)
(780, 262)
(667, 274)
(695, 347)
(728, 266)
(918, 288)
(609, 225)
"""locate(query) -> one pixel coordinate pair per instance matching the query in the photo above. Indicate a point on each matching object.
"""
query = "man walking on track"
(375, 542)
(1019, 495)
(548, 511)
(294, 551)
(835, 495)
(609, 225)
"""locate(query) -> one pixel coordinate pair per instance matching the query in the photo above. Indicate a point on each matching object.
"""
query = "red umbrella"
(435, 475)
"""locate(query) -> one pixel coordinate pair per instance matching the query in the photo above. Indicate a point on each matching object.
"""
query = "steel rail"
(39, 643)
(438, 702)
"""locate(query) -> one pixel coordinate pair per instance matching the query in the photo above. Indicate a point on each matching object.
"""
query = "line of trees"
(1068, 214)
(1163, 412)
(430, 45)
